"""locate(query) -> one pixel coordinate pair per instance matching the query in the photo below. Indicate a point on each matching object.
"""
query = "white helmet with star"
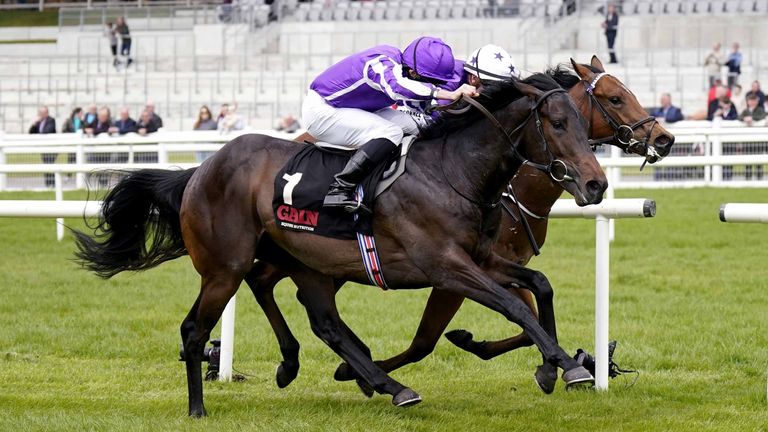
(491, 62)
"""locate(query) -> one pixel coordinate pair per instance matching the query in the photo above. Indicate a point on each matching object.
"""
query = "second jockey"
(348, 105)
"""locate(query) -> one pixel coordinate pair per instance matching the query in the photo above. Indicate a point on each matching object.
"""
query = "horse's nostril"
(596, 188)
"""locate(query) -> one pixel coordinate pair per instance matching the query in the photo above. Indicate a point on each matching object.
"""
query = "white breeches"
(353, 127)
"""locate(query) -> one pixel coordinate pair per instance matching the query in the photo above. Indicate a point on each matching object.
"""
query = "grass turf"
(688, 306)
(29, 18)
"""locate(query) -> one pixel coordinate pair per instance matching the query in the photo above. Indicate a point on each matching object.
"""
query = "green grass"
(688, 306)
(27, 41)
(29, 18)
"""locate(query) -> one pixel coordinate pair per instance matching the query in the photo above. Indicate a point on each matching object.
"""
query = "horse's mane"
(493, 96)
(565, 76)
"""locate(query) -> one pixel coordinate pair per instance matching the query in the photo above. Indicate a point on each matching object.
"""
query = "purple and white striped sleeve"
(386, 75)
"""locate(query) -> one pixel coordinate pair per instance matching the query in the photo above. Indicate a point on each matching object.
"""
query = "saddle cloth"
(302, 184)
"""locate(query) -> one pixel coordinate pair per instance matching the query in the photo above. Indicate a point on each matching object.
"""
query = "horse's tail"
(138, 226)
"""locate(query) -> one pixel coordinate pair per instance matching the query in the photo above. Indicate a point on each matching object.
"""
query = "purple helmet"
(432, 58)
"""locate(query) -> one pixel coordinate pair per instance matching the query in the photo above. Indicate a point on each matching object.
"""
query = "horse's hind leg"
(262, 280)
(196, 329)
(440, 309)
(487, 350)
(318, 296)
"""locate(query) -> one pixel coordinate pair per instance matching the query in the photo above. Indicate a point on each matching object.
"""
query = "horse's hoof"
(198, 412)
(460, 338)
(578, 377)
(365, 388)
(546, 377)
(285, 375)
(344, 373)
(406, 397)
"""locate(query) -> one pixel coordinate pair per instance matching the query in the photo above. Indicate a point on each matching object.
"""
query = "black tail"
(138, 226)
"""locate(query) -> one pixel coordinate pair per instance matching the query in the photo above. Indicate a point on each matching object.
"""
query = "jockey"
(348, 105)
(489, 63)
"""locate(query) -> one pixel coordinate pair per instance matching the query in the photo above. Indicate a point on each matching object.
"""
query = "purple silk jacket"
(370, 80)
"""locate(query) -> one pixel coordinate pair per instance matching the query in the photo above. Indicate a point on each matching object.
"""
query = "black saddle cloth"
(302, 184)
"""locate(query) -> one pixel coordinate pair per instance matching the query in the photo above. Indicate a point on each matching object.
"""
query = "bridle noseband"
(623, 135)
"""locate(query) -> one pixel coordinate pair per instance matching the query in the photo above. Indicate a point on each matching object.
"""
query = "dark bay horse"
(613, 105)
(221, 215)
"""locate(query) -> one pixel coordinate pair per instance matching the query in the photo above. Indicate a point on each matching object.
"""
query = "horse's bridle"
(623, 135)
(550, 168)
(556, 168)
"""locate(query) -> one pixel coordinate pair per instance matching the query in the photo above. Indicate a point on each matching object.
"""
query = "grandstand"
(263, 57)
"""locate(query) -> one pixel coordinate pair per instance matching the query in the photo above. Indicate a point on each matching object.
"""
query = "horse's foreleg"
(487, 350)
(262, 280)
(457, 274)
(440, 309)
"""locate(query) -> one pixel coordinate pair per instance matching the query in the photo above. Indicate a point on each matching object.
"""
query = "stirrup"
(348, 205)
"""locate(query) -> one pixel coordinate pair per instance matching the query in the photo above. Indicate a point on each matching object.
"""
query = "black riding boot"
(342, 191)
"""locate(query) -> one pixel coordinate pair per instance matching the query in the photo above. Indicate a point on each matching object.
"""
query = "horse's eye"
(558, 125)
(615, 100)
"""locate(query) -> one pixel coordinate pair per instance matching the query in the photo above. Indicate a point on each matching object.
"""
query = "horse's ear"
(597, 64)
(582, 71)
(527, 90)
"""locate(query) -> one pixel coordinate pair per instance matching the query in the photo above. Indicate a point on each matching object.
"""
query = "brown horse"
(610, 106)
(221, 214)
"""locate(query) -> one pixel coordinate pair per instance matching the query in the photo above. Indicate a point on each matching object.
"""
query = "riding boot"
(613, 58)
(342, 191)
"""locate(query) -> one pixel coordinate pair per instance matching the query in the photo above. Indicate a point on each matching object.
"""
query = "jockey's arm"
(388, 75)
(465, 89)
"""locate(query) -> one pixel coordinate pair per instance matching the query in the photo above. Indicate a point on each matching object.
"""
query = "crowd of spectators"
(95, 121)
(725, 98)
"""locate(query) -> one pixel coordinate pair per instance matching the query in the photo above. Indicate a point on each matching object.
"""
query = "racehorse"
(221, 215)
(608, 106)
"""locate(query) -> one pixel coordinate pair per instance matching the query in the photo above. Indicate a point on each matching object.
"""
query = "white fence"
(602, 213)
(744, 213)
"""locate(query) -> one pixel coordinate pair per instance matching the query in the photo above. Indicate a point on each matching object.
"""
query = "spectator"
(288, 124)
(714, 89)
(111, 34)
(222, 112)
(45, 125)
(125, 37)
(146, 125)
(713, 63)
(611, 26)
(75, 121)
(102, 124)
(734, 65)
(755, 90)
(737, 97)
(150, 107)
(204, 122)
(125, 124)
(754, 111)
(667, 112)
(231, 121)
(89, 119)
(722, 108)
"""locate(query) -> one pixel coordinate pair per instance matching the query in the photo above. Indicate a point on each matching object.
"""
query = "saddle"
(302, 183)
